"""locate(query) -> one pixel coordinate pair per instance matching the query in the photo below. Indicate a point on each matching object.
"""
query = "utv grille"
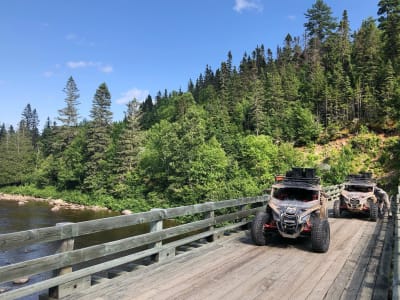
(354, 202)
(288, 223)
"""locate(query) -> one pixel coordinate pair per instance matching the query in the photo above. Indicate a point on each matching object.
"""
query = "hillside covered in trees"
(232, 130)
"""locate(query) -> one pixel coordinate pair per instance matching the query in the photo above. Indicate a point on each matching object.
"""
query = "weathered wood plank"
(354, 287)
(234, 268)
(351, 235)
(343, 278)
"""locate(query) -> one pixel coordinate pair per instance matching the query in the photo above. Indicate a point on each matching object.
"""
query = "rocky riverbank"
(56, 204)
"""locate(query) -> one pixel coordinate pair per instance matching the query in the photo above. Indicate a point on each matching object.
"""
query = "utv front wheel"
(336, 209)
(320, 235)
(257, 228)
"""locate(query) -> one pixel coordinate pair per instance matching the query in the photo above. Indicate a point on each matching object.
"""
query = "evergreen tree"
(98, 140)
(130, 142)
(29, 124)
(3, 132)
(345, 43)
(68, 116)
(147, 113)
(389, 23)
(320, 23)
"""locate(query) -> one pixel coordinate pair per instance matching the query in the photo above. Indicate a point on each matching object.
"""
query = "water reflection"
(38, 214)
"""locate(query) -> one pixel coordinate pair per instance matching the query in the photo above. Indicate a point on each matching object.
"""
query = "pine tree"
(389, 23)
(98, 140)
(3, 132)
(345, 43)
(319, 27)
(29, 124)
(68, 116)
(130, 142)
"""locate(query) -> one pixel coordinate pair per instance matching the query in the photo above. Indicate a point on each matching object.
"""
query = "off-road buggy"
(357, 196)
(297, 207)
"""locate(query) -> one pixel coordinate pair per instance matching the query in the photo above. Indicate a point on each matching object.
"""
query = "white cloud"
(90, 64)
(134, 93)
(241, 5)
(291, 18)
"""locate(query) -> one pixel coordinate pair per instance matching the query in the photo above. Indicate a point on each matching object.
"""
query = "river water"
(33, 214)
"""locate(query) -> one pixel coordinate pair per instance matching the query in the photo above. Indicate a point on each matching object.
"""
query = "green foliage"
(340, 166)
(366, 143)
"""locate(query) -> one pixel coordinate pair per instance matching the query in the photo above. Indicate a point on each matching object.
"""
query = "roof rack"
(361, 178)
(300, 176)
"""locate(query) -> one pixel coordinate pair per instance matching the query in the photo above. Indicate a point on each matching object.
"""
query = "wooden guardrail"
(333, 191)
(212, 220)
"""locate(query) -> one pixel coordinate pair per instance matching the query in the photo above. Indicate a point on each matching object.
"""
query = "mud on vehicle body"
(297, 207)
(357, 196)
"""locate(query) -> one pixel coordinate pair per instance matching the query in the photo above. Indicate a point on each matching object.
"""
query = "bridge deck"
(234, 268)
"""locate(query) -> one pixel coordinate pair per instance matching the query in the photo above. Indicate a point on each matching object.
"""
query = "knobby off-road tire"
(336, 209)
(320, 235)
(373, 211)
(257, 228)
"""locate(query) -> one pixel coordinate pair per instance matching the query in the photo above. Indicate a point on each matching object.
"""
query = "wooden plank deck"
(234, 268)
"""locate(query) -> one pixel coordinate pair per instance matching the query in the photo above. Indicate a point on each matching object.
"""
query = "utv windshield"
(358, 188)
(290, 193)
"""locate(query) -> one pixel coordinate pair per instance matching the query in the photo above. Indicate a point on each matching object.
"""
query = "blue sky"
(136, 47)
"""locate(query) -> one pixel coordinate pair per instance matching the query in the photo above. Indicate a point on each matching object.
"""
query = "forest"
(232, 130)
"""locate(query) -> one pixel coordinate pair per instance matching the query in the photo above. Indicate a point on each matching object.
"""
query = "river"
(34, 214)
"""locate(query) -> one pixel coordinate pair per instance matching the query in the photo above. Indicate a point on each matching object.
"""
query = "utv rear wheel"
(320, 235)
(257, 228)
(373, 211)
(336, 209)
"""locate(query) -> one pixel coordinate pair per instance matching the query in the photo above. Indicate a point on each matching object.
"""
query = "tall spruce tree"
(319, 26)
(98, 140)
(68, 116)
(389, 23)
(29, 124)
(130, 142)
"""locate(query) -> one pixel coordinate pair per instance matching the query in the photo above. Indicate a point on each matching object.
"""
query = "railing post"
(164, 253)
(243, 208)
(211, 215)
(68, 288)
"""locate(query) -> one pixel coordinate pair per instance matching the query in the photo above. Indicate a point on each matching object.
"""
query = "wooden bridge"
(211, 258)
